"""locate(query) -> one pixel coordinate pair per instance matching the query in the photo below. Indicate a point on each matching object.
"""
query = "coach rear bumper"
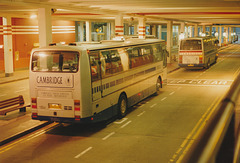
(191, 65)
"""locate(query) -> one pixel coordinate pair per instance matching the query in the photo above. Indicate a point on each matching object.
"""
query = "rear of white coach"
(55, 89)
(197, 52)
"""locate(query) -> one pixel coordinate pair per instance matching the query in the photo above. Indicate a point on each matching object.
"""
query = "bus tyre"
(208, 64)
(158, 86)
(122, 106)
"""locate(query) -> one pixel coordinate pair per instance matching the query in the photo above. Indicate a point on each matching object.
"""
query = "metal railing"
(220, 140)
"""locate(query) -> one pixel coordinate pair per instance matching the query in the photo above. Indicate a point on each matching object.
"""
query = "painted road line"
(163, 98)
(3, 95)
(172, 93)
(21, 90)
(109, 135)
(83, 152)
(125, 124)
(120, 122)
(141, 114)
(185, 146)
(153, 105)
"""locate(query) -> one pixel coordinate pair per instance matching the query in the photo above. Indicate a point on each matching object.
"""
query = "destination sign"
(54, 80)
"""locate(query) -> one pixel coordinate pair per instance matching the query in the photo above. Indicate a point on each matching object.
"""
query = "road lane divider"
(122, 120)
(164, 98)
(141, 113)
(125, 124)
(83, 152)
(109, 135)
(153, 105)
(172, 93)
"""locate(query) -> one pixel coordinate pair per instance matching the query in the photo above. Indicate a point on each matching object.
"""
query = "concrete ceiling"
(156, 11)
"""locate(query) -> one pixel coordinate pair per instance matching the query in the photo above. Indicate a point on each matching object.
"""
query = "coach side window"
(157, 52)
(94, 63)
(133, 53)
(116, 62)
(146, 55)
(105, 59)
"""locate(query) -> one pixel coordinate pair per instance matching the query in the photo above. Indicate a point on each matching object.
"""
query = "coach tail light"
(34, 108)
(77, 110)
(200, 59)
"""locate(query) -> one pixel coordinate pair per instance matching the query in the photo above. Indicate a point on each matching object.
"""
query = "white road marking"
(153, 105)
(120, 122)
(141, 106)
(172, 93)
(106, 137)
(3, 95)
(21, 90)
(164, 98)
(141, 113)
(82, 153)
(125, 124)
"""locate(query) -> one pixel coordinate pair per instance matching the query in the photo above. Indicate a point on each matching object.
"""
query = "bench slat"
(12, 104)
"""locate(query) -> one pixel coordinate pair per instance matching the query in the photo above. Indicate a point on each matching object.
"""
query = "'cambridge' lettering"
(49, 80)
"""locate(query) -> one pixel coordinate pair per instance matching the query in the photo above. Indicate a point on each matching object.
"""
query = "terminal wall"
(25, 38)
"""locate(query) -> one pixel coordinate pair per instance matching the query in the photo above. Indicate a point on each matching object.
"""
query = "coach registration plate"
(54, 106)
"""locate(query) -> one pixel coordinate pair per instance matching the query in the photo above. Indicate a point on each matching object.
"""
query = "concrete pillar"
(45, 26)
(217, 31)
(159, 31)
(88, 31)
(210, 30)
(195, 30)
(119, 27)
(204, 29)
(154, 30)
(141, 28)
(108, 31)
(169, 40)
(230, 34)
(81, 31)
(112, 29)
(225, 36)
(8, 47)
(190, 31)
(220, 36)
(135, 29)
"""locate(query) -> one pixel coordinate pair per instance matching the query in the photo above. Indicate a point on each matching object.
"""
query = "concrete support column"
(88, 31)
(154, 30)
(225, 36)
(8, 47)
(191, 31)
(182, 29)
(108, 31)
(81, 31)
(45, 26)
(169, 40)
(210, 30)
(220, 36)
(141, 28)
(119, 27)
(204, 29)
(159, 31)
(217, 31)
(195, 30)
(135, 29)
(112, 29)
(230, 35)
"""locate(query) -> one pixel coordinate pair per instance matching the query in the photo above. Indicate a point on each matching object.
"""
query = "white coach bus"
(198, 52)
(93, 82)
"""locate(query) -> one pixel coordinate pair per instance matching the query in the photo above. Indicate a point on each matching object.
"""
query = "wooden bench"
(12, 104)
